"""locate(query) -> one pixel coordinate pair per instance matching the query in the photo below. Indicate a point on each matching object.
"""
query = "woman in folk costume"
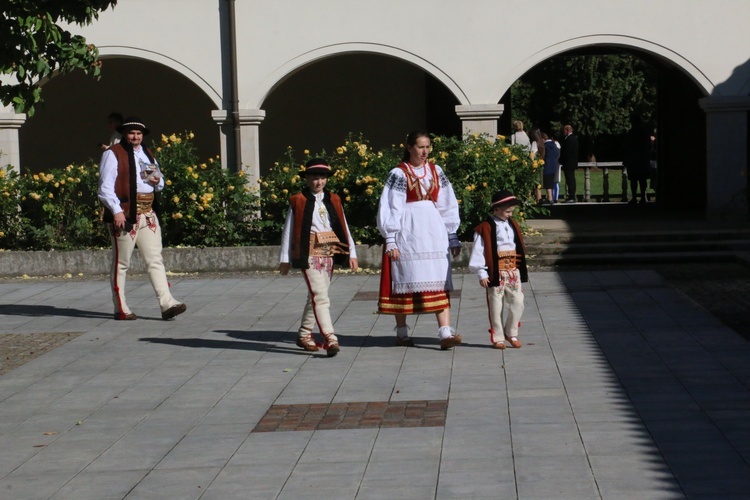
(418, 217)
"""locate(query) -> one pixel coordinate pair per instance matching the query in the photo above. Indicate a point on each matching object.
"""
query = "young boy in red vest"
(315, 237)
(499, 260)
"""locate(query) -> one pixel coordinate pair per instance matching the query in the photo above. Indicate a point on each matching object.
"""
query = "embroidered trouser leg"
(317, 309)
(506, 299)
(146, 234)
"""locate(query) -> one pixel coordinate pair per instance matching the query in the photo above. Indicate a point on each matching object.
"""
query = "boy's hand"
(284, 268)
(484, 282)
(353, 265)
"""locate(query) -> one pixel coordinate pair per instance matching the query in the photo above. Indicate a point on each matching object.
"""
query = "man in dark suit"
(569, 161)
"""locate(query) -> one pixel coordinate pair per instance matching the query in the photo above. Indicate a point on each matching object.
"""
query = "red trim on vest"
(414, 191)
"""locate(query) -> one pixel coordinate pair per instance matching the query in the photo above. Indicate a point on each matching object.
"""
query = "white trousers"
(507, 300)
(146, 234)
(318, 306)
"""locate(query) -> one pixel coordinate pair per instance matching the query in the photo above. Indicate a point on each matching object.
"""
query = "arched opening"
(380, 96)
(71, 123)
(679, 122)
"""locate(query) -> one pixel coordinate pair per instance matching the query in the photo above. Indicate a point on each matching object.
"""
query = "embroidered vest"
(125, 184)
(487, 230)
(303, 205)
(415, 191)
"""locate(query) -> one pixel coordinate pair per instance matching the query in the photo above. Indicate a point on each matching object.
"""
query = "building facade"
(251, 77)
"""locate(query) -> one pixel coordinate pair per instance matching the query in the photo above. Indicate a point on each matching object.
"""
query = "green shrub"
(205, 205)
(202, 204)
(475, 166)
(59, 209)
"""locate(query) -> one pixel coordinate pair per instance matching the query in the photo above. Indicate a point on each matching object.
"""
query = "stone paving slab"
(625, 388)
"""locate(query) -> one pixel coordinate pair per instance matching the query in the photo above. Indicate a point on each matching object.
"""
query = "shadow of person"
(47, 310)
(261, 341)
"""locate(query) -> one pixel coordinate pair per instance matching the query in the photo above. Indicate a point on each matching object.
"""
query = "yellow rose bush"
(359, 174)
(201, 205)
(57, 209)
(204, 204)
(475, 166)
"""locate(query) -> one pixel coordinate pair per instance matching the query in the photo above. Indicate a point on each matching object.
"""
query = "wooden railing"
(605, 167)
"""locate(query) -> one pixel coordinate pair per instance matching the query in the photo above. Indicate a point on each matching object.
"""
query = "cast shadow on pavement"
(46, 310)
(260, 341)
(680, 378)
(279, 341)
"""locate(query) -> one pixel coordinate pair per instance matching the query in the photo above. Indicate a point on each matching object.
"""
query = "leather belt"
(144, 202)
(506, 261)
(326, 245)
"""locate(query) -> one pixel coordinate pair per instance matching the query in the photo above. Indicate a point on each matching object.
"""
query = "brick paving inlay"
(360, 415)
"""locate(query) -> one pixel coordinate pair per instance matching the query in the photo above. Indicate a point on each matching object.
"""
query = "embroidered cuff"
(390, 246)
(453, 241)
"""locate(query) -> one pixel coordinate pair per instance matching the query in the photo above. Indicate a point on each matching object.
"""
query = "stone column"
(727, 157)
(250, 120)
(222, 119)
(10, 149)
(480, 118)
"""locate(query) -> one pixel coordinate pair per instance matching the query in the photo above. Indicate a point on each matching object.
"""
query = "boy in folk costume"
(315, 237)
(499, 260)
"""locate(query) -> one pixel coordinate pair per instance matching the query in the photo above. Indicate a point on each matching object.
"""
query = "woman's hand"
(394, 254)
(485, 282)
(353, 265)
(455, 251)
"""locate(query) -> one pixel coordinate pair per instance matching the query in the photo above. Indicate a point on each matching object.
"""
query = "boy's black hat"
(133, 123)
(316, 166)
(503, 198)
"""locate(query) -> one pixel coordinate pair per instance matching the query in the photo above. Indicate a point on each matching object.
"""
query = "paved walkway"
(625, 388)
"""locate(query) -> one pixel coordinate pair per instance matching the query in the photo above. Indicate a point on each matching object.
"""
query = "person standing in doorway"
(569, 161)
(114, 121)
(520, 137)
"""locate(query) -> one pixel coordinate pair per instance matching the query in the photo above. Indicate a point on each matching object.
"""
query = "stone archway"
(72, 121)
(680, 122)
(379, 95)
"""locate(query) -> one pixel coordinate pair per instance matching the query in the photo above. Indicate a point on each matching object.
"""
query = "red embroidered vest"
(415, 192)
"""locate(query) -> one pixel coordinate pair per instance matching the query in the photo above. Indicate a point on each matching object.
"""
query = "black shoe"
(174, 311)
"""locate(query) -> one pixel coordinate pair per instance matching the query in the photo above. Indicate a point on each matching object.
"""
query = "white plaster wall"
(181, 34)
(477, 48)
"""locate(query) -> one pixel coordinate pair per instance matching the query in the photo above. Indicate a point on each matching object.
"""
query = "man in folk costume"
(418, 217)
(315, 237)
(128, 177)
(499, 260)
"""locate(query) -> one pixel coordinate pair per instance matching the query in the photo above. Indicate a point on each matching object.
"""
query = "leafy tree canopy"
(35, 46)
(596, 94)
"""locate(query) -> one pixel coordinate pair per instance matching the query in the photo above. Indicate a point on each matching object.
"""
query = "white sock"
(445, 332)
(402, 331)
